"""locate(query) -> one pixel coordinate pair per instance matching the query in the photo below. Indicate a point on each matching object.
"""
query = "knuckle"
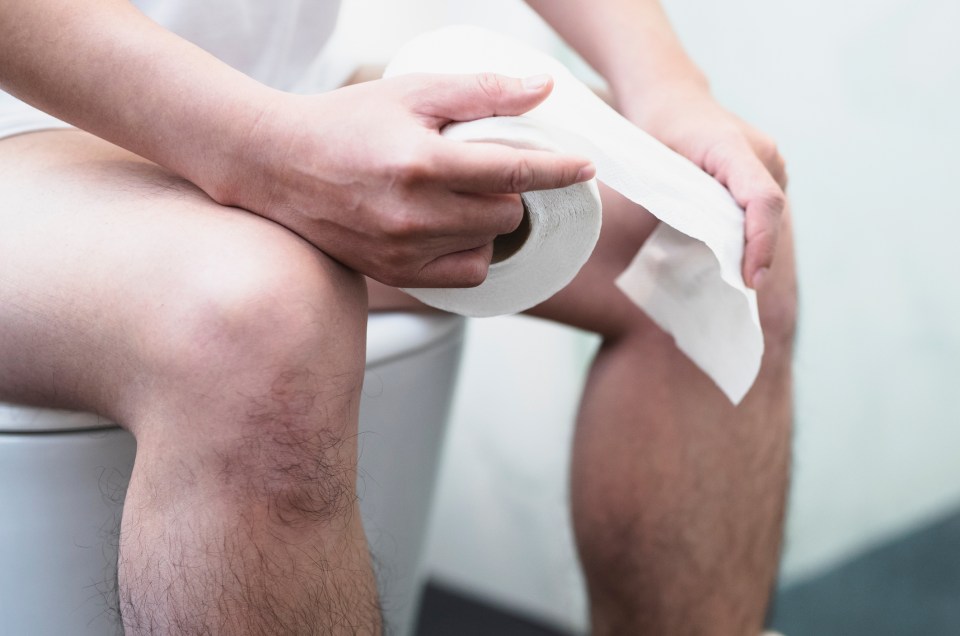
(413, 167)
(777, 200)
(770, 154)
(476, 272)
(520, 176)
(773, 201)
(411, 88)
(491, 85)
(401, 224)
(762, 237)
(394, 260)
(719, 157)
(511, 214)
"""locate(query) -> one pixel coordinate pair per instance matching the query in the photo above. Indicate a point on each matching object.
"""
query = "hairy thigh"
(105, 256)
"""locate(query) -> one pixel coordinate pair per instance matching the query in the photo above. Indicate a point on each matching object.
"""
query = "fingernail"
(535, 82)
(759, 277)
(586, 173)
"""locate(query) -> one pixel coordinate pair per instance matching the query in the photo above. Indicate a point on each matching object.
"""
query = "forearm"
(629, 42)
(105, 67)
(655, 84)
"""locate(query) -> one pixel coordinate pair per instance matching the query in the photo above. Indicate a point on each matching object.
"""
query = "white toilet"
(63, 476)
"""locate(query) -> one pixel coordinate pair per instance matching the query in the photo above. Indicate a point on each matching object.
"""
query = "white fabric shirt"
(277, 42)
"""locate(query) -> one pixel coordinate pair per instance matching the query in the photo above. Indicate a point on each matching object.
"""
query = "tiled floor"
(910, 586)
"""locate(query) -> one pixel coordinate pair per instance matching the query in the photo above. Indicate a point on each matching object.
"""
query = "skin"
(210, 299)
(655, 84)
(380, 208)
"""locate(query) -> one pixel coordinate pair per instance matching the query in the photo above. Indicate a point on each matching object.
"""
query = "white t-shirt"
(278, 42)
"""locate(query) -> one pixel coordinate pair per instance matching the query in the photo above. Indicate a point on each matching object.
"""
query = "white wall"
(862, 96)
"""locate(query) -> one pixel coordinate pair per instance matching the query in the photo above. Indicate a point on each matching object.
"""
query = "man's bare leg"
(677, 496)
(230, 348)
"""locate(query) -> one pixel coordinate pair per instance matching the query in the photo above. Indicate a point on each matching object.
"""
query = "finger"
(482, 215)
(762, 230)
(467, 268)
(445, 223)
(448, 98)
(770, 155)
(763, 200)
(408, 264)
(496, 168)
(439, 213)
(779, 173)
(766, 149)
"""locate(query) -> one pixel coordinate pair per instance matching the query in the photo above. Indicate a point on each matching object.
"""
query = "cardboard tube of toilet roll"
(686, 277)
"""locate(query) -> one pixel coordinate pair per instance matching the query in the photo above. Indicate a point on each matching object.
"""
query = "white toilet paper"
(563, 226)
(686, 277)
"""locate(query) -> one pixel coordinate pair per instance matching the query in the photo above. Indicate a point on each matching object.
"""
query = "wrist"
(231, 156)
(637, 93)
(654, 101)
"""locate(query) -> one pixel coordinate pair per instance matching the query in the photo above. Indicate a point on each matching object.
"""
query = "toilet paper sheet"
(686, 276)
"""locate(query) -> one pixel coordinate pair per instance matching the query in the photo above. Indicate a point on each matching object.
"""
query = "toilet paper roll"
(686, 276)
(557, 236)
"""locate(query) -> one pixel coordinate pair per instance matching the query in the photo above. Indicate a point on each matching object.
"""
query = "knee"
(251, 368)
(252, 314)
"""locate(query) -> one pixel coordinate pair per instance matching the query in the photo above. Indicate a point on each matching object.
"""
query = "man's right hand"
(363, 174)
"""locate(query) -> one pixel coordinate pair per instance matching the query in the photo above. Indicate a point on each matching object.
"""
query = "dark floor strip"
(908, 586)
(447, 612)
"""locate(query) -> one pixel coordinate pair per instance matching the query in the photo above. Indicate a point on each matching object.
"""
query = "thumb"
(449, 98)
